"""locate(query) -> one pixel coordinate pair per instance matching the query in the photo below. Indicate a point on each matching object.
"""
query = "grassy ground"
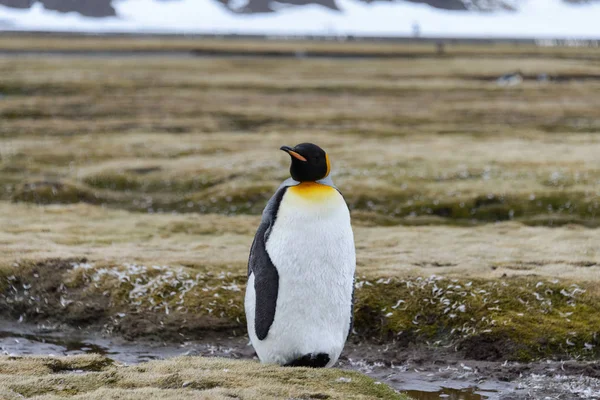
(110, 167)
(95, 377)
(56, 42)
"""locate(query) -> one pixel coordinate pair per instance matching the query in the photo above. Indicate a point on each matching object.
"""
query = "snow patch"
(533, 19)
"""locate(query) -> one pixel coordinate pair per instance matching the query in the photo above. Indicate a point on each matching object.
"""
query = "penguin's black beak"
(292, 153)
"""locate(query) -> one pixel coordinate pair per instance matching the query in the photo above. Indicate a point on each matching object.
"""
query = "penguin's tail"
(310, 360)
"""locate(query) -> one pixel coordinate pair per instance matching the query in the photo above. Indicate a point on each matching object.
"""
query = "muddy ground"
(424, 373)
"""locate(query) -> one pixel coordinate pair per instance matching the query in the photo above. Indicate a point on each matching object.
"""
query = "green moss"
(21, 88)
(535, 209)
(516, 319)
(572, 124)
(89, 364)
(118, 182)
(233, 198)
(49, 192)
(246, 122)
(22, 113)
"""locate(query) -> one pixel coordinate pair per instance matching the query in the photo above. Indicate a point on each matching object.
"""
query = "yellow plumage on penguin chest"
(314, 192)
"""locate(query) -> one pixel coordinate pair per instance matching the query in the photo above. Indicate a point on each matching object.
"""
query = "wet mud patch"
(487, 347)
(130, 300)
(37, 290)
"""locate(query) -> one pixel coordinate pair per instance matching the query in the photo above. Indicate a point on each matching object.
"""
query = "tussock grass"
(95, 377)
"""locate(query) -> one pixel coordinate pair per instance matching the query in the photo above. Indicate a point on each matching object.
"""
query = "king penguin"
(299, 298)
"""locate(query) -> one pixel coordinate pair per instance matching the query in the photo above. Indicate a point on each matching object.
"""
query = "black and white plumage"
(301, 268)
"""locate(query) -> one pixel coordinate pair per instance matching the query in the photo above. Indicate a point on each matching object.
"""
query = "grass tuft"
(183, 377)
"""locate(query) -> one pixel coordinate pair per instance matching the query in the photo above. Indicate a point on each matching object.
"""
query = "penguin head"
(309, 162)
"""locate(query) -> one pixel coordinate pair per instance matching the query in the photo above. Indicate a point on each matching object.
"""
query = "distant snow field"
(534, 19)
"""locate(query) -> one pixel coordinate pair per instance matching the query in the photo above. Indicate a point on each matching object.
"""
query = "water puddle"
(447, 394)
(12, 343)
(441, 385)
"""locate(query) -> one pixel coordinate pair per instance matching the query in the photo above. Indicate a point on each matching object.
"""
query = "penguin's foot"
(310, 360)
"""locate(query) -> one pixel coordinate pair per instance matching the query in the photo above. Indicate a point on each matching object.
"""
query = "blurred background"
(139, 144)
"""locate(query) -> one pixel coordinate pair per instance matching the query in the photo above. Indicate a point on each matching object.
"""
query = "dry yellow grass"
(95, 377)
(221, 243)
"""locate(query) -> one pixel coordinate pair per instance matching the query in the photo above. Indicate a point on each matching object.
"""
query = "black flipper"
(310, 360)
(266, 278)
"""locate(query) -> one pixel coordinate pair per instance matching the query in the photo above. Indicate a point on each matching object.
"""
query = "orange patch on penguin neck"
(312, 190)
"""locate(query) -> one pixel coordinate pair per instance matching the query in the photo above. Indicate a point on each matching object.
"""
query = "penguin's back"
(311, 244)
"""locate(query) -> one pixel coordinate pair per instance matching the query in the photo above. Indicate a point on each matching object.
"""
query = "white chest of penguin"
(312, 246)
